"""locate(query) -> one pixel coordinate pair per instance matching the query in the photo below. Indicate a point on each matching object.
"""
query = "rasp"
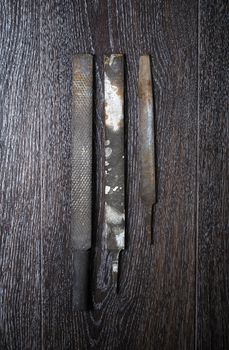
(81, 189)
(146, 139)
(114, 158)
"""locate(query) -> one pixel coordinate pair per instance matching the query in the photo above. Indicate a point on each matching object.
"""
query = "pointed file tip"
(115, 272)
(115, 268)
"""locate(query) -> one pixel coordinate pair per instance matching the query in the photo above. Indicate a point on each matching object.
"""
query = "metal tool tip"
(114, 271)
(115, 268)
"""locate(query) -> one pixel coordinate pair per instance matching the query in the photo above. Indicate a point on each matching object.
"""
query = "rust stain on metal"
(114, 157)
(146, 139)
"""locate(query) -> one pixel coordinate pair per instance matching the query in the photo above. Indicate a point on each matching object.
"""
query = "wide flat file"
(81, 191)
(146, 139)
(114, 157)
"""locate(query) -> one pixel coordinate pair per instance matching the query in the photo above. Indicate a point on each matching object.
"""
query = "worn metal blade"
(146, 139)
(114, 157)
(81, 191)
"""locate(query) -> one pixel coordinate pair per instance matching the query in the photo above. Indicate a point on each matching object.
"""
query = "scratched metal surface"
(146, 139)
(114, 227)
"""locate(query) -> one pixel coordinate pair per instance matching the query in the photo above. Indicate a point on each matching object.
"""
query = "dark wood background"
(173, 294)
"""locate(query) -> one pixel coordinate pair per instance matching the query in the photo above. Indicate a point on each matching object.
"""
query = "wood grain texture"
(213, 217)
(155, 305)
(20, 302)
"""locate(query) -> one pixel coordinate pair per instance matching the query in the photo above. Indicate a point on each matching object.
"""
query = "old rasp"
(114, 157)
(146, 139)
(81, 190)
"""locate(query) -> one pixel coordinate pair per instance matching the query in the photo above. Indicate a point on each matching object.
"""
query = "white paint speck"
(115, 267)
(107, 142)
(113, 216)
(115, 188)
(108, 152)
(115, 224)
(120, 239)
(106, 163)
(114, 106)
(107, 189)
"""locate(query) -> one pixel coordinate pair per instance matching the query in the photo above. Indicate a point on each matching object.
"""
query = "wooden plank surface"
(213, 213)
(155, 306)
(20, 302)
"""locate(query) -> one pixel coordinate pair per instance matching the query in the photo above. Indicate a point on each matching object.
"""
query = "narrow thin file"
(146, 139)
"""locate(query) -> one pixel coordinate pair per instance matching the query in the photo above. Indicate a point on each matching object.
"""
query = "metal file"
(81, 190)
(146, 139)
(114, 158)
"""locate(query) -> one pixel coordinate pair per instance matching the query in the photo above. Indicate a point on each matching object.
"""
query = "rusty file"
(114, 158)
